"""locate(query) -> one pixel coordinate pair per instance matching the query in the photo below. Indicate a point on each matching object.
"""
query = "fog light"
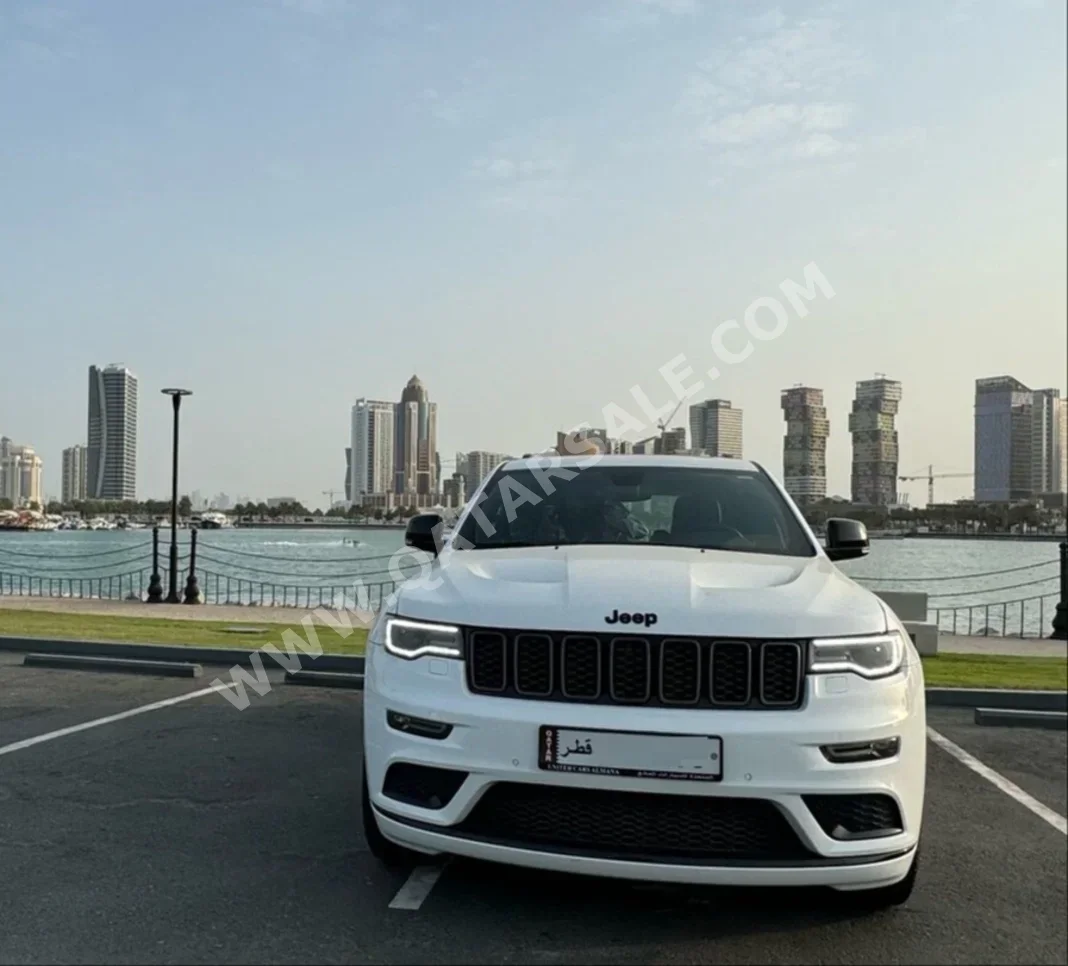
(862, 750)
(418, 726)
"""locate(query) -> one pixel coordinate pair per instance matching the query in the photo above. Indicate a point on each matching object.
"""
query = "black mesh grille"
(488, 657)
(633, 824)
(636, 669)
(581, 667)
(855, 816)
(534, 664)
(680, 672)
(780, 674)
(731, 672)
(422, 785)
(631, 673)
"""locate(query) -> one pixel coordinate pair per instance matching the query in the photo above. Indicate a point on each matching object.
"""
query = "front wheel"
(377, 844)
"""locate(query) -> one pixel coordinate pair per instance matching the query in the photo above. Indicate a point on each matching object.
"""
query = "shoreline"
(1024, 537)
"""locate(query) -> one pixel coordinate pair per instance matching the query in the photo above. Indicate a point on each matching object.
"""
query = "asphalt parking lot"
(195, 833)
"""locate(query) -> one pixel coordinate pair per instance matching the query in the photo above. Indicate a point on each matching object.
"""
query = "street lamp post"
(172, 576)
(1060, 617)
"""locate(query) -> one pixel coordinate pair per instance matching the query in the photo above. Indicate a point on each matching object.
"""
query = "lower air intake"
(634, 825)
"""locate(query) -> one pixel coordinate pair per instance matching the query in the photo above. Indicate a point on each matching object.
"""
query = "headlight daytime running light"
(870, 656)
(411, 640)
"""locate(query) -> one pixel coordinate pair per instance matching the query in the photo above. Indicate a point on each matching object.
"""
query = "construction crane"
(930, 476)
(330, 494)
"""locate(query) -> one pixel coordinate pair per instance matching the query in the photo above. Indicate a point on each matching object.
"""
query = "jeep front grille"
(638, 826)
(635, 669)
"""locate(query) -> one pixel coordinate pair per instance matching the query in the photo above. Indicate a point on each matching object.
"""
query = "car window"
(672, 506)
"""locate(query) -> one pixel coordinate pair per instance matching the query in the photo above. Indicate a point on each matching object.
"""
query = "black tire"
(377, 844)
(887, 897)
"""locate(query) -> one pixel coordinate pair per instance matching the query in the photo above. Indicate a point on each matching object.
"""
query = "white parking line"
(414, 892)
(97, 722)
(1059, 822)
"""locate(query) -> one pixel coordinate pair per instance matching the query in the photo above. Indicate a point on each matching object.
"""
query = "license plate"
(631, 753)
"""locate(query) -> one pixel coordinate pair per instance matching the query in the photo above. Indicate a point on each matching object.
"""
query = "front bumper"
(772, 756)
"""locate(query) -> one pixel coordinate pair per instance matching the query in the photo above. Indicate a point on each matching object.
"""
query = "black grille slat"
(780, 672)
(580, 667)
(636, 669)
(731, 673)
(631, 670)
(633, 824)
(534, 664)
(680, 672)
(488, 659)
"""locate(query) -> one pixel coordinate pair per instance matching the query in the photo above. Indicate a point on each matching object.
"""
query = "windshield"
(671, 506)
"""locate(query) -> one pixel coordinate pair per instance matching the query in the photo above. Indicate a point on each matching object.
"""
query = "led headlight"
(413, 639)
(873, 656)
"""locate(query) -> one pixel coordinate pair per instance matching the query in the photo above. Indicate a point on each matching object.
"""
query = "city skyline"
(717, 428)
(20, 473)
(1033, 441)
(74, 480)
(804, 458)
(556, 201)
(392, 456)
(1021, 440)
(111, 453)
(872, 425)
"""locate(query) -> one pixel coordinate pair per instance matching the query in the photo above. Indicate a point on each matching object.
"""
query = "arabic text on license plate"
(630, 753)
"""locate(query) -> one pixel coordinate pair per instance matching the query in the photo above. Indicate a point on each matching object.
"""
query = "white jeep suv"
(646, 667)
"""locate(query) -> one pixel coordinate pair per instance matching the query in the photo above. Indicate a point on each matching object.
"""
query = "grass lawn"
(945, 670)
(148, 630)
(995, 671)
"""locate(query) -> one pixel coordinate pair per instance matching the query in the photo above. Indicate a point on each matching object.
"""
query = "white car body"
(766, 753)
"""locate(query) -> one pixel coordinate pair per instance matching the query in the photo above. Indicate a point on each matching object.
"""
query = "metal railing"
(243, 577)
(233, 576)
(1025, 617)
(218, 588)
(1028, 616)
(122, 586)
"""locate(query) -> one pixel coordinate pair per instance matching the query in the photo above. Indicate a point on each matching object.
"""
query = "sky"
(285, 205)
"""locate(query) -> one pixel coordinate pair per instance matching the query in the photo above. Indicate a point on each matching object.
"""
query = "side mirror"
(420, 532)
(846, 539)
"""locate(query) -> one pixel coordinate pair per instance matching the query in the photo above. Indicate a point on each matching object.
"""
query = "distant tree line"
(357, 514)
(119, 508)
(949, 517)
(152, 509)
(260, 511)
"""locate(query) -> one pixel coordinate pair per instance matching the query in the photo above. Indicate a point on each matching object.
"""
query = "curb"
(325, 679)
(990, 698)
(174, 652)
(1014, 718)
(79, 662)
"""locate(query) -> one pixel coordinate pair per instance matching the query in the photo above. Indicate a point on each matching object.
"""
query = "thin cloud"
(621, 15)
(773, 121)
(527, 172)
(821, 145)
(530, 198)
(465, 101)
(774, 94)
(769, 20)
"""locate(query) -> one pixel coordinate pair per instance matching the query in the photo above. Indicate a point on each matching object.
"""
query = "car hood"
(691, 592)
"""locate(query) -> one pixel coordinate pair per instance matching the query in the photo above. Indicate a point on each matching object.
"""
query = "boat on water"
(28, 520)
(214, 520)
